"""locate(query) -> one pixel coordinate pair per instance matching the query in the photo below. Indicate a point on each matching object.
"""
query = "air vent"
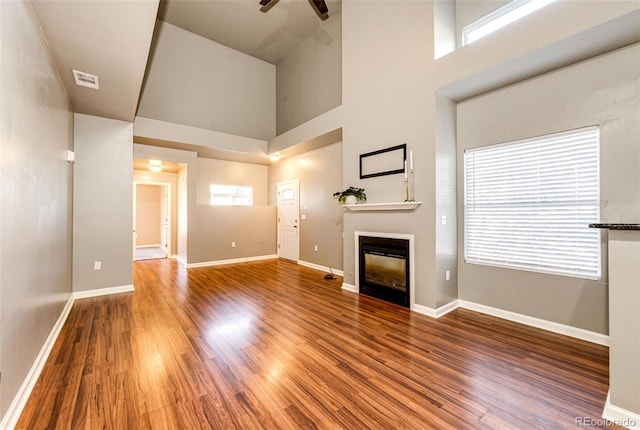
(85, 79)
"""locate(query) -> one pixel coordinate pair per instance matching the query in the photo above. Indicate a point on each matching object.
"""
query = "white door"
(288, 215)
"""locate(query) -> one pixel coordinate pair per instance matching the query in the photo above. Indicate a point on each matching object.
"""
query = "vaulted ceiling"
(112, 39)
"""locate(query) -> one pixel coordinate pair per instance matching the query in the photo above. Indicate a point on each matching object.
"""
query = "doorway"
(288, 215)
(151, 220)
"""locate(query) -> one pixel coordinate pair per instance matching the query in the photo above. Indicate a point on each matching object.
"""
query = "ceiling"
(239, 24)
(112, 39)
(167, 166)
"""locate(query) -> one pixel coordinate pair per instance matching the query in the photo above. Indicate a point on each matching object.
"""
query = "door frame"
(278, 185)
(169, 229)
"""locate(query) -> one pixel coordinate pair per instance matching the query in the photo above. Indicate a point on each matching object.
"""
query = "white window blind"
(528, 204)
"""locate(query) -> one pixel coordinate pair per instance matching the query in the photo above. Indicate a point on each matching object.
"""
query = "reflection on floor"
(150, 253)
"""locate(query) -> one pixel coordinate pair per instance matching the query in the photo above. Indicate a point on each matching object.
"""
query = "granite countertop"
(616, 226)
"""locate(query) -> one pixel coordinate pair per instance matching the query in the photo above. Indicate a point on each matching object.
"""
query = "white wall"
(196, 82)
(36, 129)
(102, 203)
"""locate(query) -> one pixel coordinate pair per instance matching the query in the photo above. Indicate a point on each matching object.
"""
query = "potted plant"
(351, 195)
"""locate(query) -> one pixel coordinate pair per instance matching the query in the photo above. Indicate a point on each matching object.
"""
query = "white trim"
(103, 291)
(438, 312)
(149, 246)
(424, 310)
(349, 287)
(20, 400)
(412, 259)
(619, 416)
(566, 330)
(230, 261)
(445, 309)
(399, 206)
(181, 260)
(174, 256)
(321, 268)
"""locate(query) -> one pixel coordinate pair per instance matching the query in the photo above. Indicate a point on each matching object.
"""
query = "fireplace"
(384, 268)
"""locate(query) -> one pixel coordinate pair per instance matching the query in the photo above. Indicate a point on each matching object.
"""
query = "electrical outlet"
(447, 275)
(233, 244)
(97, 265)
(315, 248)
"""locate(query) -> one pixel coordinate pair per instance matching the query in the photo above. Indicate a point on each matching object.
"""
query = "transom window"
(231, 195)
(528, 204)
(499, 18)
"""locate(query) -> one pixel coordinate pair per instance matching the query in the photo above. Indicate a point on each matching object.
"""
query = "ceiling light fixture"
(155, 165)
(275, 156)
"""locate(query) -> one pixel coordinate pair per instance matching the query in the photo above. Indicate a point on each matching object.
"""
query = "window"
(231, 195)
(528, 204)
(500, 18)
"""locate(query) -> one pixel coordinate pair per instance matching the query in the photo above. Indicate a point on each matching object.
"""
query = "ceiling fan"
(319, 6)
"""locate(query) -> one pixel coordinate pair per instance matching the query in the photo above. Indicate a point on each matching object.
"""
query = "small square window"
(231, 195)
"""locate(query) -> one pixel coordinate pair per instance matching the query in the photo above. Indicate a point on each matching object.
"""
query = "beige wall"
(36, 129)
(602, 91)
(224, 172)
(252, 228)
(102, 203)
(148, 214)
(388, 100)
(320, 175)
(165, 178)
(624, 352)
(446, 203)
(309, 79)
(197, 82)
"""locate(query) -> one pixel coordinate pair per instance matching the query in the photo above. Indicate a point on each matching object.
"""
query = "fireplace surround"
(384, 266)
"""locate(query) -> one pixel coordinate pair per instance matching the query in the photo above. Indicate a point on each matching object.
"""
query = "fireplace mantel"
(397, 206)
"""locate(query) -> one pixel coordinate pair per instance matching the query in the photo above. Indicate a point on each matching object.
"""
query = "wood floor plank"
(273, 345)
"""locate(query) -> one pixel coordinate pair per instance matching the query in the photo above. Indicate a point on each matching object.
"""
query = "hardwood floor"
(272, 345)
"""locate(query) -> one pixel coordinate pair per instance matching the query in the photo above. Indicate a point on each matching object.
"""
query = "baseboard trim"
(435, 313)
(181, 260)
(349, 287)
(321, 268)
(103, 292)
(149, 246)
(231, 261)
(622, 417)
(20, 400)
(554, 327)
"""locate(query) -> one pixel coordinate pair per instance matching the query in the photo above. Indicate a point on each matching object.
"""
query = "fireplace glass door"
(384, 269)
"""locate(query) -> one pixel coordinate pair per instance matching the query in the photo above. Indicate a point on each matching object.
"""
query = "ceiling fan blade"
(267, 5)
(320, 7)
